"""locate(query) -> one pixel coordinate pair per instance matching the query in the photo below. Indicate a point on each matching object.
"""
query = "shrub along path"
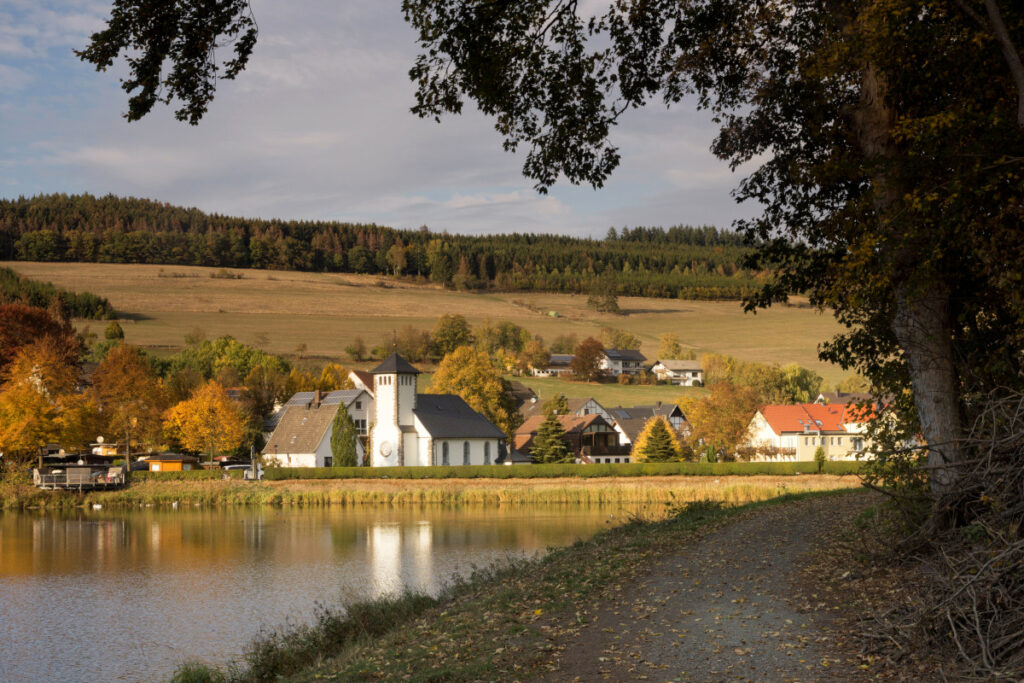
(732, 605)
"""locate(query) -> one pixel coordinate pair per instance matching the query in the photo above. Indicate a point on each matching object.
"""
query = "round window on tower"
(385, 448)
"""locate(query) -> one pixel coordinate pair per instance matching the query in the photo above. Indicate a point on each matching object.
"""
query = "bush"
(561, 470)
(186, 475)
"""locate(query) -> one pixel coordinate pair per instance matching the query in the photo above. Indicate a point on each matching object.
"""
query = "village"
(382, 419)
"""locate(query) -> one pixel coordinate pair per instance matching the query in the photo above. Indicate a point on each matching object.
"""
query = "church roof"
(394, 364)
(447, 416)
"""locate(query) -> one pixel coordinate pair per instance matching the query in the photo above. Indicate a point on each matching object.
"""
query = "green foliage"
(113, 331)
(450, 332)
(550, 446)
(773, 384)
(819, 457)
(677, 262)
(17, 289)
(343, 439)
(614, 338)
(557, 404)
(547, 471)
(186, 475)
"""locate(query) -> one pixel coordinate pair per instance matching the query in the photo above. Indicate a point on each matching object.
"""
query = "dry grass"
(285, 306)
(735, 490)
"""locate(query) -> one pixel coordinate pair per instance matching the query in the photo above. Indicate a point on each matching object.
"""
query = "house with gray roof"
(412, 429)
(629, 422)
(617, 362)
(303, 427)
(685, 373)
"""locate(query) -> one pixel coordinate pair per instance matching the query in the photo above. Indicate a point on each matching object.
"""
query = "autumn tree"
(586, 364)
(357, 349)
(450, 332)
(343, 439)
(721, 419)
(208, 421)
(604, 294)
(265, 386)
(333, 377)
(132, 397)
(22, 325)
(471, 375)
(533, 355)
(550, 445)
(614, 338)
(298, 380)
(657, 442)
(669, 348)
(39, 404)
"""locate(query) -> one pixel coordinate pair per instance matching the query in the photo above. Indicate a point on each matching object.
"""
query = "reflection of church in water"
(400, 556)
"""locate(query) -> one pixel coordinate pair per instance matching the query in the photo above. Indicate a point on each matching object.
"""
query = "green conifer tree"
(549, 445)
(343, 439)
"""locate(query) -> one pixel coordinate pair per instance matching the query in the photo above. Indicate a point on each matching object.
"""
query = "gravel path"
(723, 608)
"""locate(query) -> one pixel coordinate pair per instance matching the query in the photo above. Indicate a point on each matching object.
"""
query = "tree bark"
(923, 328)
(922, 322)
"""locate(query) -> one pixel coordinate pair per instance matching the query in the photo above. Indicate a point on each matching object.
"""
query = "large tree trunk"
(923, 330)
(921, 323)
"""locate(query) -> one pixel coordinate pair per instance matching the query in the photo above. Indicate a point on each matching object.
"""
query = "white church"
(426, 429)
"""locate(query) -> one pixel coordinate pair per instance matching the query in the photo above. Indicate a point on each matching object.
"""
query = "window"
(822, 441)
(465, 452)
(359, 405)
(806, 441)
(328, 461)
(839, 440)
(360, 427)
(444, 453)
(487, 452)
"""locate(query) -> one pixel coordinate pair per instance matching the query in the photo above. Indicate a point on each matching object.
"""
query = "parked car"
(247, 470)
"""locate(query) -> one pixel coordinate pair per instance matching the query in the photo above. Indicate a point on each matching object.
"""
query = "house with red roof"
(795, 432)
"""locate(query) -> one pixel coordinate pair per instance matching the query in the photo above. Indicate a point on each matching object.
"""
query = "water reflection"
(128, 596)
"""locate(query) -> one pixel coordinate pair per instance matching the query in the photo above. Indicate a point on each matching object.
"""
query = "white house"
(795, 432)
(426, 429)
(617, 362)
(685, 373)
(303, 429)
(559, 364)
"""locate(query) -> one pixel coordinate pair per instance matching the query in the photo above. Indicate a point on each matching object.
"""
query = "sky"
(318, 127)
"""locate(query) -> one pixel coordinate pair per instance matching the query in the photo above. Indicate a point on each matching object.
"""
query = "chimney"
(316, 398)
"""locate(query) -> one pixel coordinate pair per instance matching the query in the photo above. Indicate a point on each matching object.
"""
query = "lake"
(127, 596)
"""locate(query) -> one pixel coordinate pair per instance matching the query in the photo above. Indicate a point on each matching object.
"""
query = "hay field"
(325, 311)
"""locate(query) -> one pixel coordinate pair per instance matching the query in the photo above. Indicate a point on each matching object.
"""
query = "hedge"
(185, 475)
(561, 470)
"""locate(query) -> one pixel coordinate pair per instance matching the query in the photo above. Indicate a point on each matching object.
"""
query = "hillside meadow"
(281, 310)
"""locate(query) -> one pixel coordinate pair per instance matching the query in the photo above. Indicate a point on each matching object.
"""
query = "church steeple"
(394, 383)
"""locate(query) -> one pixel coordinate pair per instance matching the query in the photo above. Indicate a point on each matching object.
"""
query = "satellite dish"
(99, 439)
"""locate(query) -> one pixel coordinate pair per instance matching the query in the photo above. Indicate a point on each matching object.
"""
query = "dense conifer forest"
(677, 262)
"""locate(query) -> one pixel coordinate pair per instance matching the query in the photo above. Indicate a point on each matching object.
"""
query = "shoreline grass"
(491, 626)
(647, 490)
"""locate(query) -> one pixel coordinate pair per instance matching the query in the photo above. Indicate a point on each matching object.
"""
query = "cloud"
(318, 127)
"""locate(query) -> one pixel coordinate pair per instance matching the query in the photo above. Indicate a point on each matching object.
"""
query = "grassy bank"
(494, 626)
(730, 490)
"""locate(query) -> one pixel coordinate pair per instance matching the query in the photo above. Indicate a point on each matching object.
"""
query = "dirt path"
(731, 606)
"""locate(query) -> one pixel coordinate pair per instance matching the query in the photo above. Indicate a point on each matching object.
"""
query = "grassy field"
(325, 311)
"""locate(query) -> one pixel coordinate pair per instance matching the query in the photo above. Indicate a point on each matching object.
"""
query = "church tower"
(394, 387)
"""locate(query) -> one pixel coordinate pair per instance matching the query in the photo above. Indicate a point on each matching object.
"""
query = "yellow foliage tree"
(333, 377)
(128, 389)
(208, 421)
(657, 442)
(471, 375)
(39, 404)
(720, 420)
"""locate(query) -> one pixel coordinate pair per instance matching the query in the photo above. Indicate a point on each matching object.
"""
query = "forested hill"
(678, 262)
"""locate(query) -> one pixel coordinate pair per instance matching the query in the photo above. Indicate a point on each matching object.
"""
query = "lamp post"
(132, 423)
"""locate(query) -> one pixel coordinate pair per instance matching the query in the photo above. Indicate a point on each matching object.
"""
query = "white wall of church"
(479, 453)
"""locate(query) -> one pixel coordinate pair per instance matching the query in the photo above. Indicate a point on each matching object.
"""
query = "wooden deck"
(78, 478)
